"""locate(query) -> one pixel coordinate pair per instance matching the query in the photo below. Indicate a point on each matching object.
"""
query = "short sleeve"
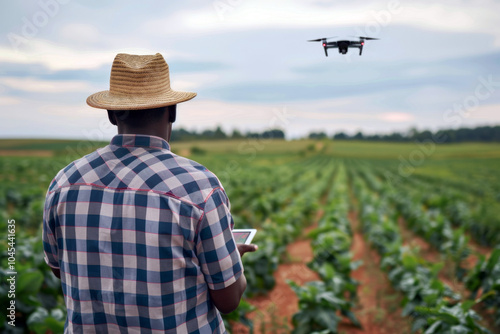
(48, 236)
(216, 249)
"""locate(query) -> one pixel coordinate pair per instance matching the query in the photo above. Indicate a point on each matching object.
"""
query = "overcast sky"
(436, 65)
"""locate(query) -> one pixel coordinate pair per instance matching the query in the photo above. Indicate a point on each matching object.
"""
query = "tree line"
(477, 134)
(186, 135)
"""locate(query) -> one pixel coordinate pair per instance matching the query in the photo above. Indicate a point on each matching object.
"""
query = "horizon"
(287, 138)
(434, 67)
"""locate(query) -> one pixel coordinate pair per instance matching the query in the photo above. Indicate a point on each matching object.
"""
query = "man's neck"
(162, 132)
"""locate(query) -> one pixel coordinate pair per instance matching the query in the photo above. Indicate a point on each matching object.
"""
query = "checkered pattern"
(139, 235)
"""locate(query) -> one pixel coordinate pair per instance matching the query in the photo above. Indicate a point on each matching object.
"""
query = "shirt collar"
(135, 140)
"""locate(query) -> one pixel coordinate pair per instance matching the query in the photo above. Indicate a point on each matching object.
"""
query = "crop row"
(475, 212)
(279, 201)
(429, 214)
(280, 222)
(433, 306)
(322, 302)
(414, 202)
(431, 224)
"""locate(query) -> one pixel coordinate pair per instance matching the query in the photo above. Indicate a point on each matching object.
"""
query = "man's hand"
(57, 272)
(242, 248)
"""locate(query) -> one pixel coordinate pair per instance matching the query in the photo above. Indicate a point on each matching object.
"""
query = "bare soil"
(379, 305)
(275, 309)
(379, 308)
(475, 247)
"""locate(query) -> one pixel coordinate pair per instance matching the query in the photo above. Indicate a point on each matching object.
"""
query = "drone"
(343, 45)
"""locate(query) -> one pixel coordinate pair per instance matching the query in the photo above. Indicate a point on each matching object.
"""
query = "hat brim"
(106, 100)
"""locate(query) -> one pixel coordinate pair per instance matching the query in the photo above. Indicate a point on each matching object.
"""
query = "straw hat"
(138, 82)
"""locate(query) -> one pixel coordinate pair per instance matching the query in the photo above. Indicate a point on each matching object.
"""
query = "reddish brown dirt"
(275, 310)
(475, 247)
(412, 240)
(379, 304)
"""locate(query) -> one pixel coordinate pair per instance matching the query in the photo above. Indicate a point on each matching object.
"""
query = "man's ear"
(172, 113)
(112, 117)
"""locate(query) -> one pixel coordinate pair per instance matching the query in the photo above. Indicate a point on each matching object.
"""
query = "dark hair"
(140, 118)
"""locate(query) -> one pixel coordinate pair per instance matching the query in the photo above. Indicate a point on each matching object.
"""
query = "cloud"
(486, 113)
(448, 15)
(86, 33)
(396, 117)
(349, 109)
(296, 118)
(58, 57)
(8, 100)
(192, 81)
(55, 120)
(45, 86)
(71, 111)
(246, 15)
(202, 114)
(54, 56)
(393, 117)
(249, 61)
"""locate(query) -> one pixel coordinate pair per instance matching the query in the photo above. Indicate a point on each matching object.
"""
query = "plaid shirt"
(139, 235)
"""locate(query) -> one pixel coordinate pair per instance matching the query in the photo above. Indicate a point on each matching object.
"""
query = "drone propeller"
(321, 39)
(367, 38)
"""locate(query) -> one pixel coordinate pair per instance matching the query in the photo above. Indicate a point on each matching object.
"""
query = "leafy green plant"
(38, 295)
(485, 277)
(197, 150)
(319, 306)
(423, 212)
(260, 267)
(41, 321)
(320, 301)
(458, 318)
(433, 305)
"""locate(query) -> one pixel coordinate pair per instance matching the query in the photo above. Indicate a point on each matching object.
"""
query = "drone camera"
(343, 45)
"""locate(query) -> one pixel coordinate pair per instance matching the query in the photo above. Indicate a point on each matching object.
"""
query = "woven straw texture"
(138, 82)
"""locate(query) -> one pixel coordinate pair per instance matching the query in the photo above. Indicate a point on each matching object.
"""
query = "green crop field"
(385, 194)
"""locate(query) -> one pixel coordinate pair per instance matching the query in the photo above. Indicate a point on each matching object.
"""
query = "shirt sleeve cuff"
(49, 264)
(230, 281)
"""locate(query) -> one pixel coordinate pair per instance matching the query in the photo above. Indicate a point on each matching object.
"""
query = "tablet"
(244, 236)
